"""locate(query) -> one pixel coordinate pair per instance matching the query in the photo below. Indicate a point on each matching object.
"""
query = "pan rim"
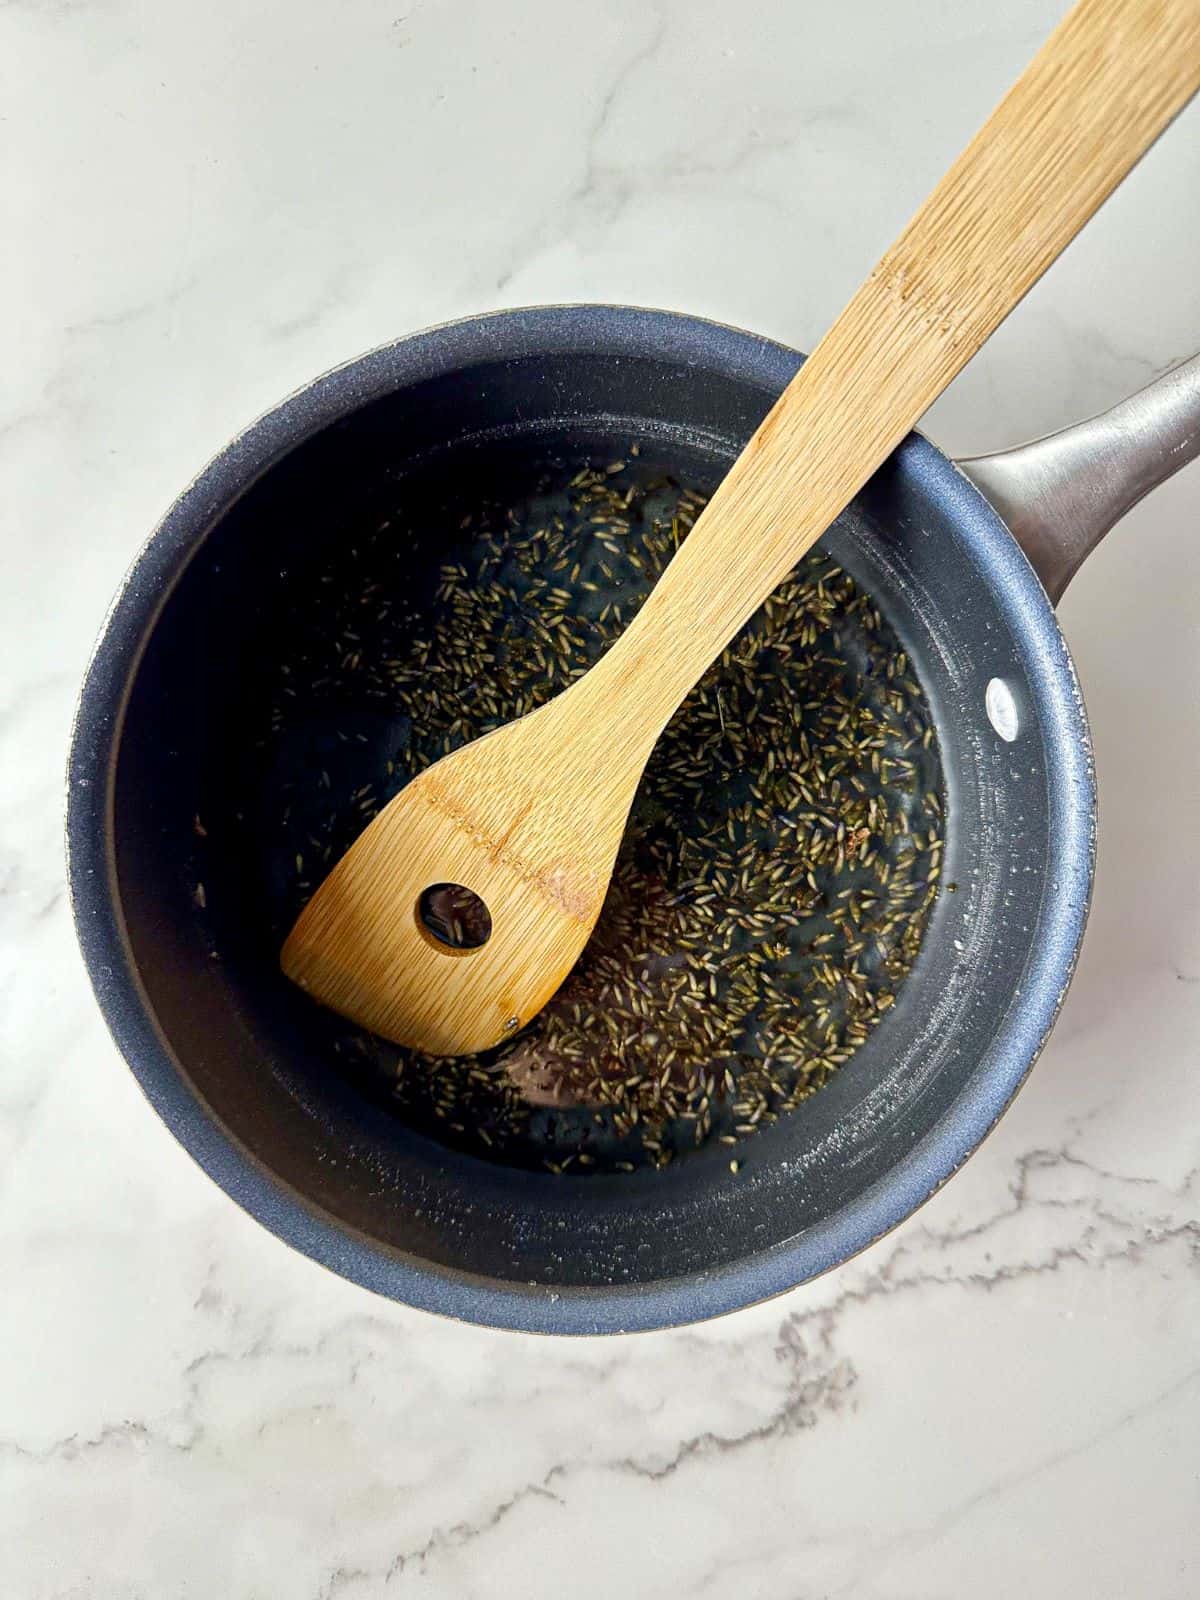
(299, 1220)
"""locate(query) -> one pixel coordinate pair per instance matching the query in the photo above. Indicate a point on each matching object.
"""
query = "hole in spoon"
(453, 917)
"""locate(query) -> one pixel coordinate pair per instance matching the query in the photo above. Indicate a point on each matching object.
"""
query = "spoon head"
(500, 818)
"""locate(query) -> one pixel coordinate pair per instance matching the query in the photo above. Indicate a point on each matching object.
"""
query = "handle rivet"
(1001, 709)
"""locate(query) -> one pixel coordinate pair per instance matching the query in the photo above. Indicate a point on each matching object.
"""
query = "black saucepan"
(231, 1055)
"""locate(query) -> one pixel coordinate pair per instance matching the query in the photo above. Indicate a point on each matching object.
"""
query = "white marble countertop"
(206, 205)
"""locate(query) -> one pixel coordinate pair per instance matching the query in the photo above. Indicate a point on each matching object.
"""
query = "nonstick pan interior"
(778, 865)
(240, 1063)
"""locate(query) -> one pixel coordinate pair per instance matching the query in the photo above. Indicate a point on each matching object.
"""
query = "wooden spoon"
(530, 817)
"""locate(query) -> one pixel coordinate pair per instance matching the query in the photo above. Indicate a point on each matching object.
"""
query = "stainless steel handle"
(1060, 495)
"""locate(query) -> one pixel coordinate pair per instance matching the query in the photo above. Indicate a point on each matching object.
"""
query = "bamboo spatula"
(529, 818)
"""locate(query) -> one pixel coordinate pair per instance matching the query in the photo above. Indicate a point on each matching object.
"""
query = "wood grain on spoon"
(530, 817)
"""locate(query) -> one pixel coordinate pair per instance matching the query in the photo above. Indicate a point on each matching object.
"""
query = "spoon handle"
(1099, 93)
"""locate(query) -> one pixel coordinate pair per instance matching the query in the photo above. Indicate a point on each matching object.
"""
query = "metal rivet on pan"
(1001, 709)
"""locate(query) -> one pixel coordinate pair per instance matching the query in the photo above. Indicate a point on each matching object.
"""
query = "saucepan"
(964, 560)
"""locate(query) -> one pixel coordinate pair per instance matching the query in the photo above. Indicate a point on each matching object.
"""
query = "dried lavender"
(781, 858)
